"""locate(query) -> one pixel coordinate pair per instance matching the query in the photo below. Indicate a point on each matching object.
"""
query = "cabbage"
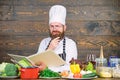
(2, 67)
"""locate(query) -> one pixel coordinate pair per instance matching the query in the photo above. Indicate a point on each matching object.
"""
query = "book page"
(47, 57)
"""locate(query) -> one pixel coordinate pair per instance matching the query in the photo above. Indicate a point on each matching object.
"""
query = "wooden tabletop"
(71, 79)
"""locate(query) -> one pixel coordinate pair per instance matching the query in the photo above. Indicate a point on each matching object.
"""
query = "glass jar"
(102, 68)
(105, 72)
(101, 62)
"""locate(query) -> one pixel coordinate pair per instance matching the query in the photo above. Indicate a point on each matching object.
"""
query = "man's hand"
(53, 44)
(42, 66)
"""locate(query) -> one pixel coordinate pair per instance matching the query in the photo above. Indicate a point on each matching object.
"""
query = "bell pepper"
(75, 68)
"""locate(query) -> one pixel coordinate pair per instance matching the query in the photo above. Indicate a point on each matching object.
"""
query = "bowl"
(105, 72)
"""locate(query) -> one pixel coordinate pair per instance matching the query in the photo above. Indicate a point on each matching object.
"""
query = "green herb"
(48, 73)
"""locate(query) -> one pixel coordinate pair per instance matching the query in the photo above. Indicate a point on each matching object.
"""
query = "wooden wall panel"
(24, 23)
(77, 9)
(23, 37)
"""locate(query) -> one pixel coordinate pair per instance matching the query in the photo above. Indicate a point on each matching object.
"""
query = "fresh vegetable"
(64, 73)
(89, 66)
(75, 68)
(11, 70)
(2, 68)
(48, 73)
(25, 63)
(82, 64)
(89, 75)
(77, 75)
(8, 69)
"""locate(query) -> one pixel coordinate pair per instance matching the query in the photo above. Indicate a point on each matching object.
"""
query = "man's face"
(57, 30)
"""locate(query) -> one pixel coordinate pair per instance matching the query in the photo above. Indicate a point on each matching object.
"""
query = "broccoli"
(11, 70)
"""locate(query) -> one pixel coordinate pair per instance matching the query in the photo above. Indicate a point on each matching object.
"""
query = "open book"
(48, 57)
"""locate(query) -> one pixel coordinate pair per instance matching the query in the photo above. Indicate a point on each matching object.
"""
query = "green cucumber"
(89, 75)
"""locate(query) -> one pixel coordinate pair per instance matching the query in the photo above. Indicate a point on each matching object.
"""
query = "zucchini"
(89, 75)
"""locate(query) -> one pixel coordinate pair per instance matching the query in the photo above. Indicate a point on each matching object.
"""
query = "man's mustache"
(56, 31)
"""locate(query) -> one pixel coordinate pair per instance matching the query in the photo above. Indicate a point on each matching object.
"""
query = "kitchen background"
(91, 23)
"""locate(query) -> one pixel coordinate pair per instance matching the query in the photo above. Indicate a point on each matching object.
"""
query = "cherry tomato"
(77, 75)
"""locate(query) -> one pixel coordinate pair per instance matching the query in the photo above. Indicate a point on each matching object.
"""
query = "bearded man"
(58, 42)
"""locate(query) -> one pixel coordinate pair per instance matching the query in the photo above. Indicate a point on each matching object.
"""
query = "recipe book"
(48, 57)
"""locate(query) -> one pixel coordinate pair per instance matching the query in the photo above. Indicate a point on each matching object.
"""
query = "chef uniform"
(66, 48)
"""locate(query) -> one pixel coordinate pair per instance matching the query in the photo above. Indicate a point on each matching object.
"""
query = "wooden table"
(68, 79)
(106, 79)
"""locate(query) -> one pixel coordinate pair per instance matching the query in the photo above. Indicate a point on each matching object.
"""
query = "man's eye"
(51, 26)
(57, 26)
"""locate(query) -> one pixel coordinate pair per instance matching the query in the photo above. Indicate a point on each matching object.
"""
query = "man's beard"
(59, 34)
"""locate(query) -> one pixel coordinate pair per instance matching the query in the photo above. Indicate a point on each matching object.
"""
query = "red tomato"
(77, 75)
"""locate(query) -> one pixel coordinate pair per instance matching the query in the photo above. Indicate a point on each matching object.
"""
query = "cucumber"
(89, 75)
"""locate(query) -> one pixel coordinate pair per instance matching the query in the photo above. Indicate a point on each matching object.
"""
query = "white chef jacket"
(70, 49)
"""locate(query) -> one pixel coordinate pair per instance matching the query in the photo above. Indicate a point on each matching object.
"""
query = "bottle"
(113, 61)
(101, 61)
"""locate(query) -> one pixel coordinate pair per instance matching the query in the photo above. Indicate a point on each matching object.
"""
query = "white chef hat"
(57, 13)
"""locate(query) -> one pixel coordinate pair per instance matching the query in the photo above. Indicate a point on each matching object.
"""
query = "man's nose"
(54, 28)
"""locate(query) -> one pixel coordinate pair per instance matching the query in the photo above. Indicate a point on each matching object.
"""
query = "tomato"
(77, 75)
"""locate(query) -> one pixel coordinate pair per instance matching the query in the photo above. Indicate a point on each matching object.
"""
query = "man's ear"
(65, 27)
